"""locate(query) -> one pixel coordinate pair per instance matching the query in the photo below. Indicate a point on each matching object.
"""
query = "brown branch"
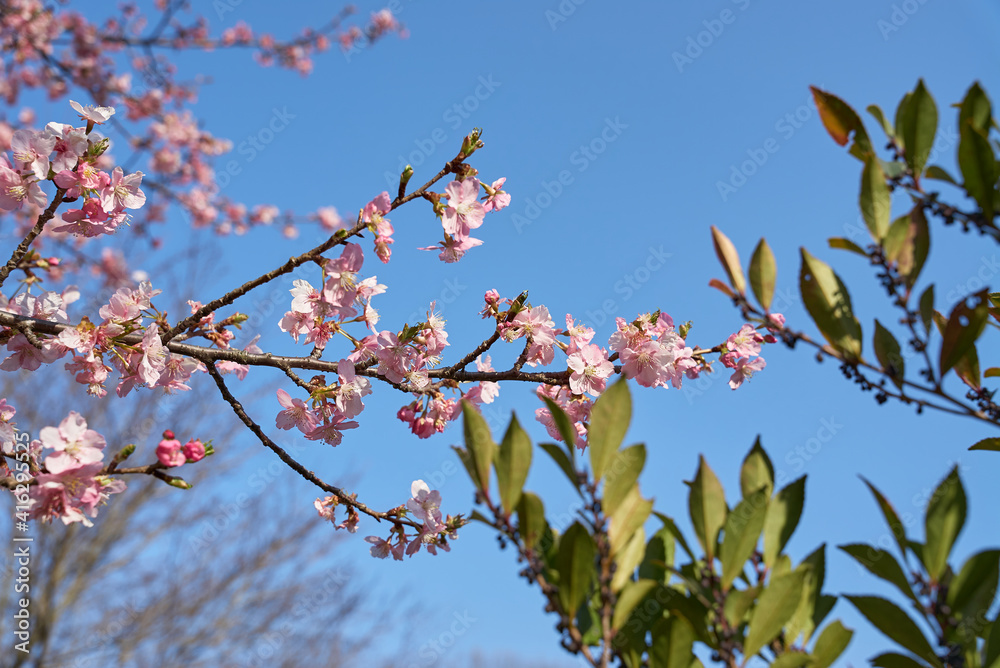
(22, 248)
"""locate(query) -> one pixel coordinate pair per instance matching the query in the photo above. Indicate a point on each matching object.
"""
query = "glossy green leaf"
(847, 244)
(939, 174)
(842, 122)
(876, 111)
(783, 516)
(512, 464)
(658, 556)
(881, 564)
(964, 326)
(887, 617)
(776, 605)
(631, 514)
(792, 659)
(891, 518)
(943, 522)
(531, 519)
(919, 124)
(730, 259)
(609, 419)
(479, 517)
(889, 355)
(689, 609)
(830, 644)
(707, 505)
(564, 425)
(627, 559)
(741, 533)
(575, 563)
(874, 199)
(480, 446)
(829, 304)
(630, 596)
(757, 471)
(987, 444)
(813, 569)
(991, 650)
(976, 109)
(673, 643)
(907, 244)
(622, 475)
(927, 307)
(564, 463)
(763, 274)
(971, 592)
(893, 660)
(738, 603)
(978, 166)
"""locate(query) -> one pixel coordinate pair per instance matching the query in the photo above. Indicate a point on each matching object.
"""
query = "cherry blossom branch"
(22, 248)
(342, 496)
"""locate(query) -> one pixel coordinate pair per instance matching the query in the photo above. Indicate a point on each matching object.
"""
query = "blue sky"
(616, 125)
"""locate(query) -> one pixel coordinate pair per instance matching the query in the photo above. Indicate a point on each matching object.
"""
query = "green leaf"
(707, 505)
(841, 122)
(927, 307)
(893, 660)
(741, 533)
(919, 116)
(891, 518)
(628, 518)
(564, 463)
(881, 564)
(659, 555)
(622, 475)
(763, 273)
(513, 462)
(908, 243)
(757, 471)
(874, 199)
(987, 444)
(829, 304)
(564, 425)
(531, 519)
(895, 624)
(575, 564)
(673, 642)
(738, 602)
(847, 244)
(830, 644)
(803, 621)
(889, 356)
(609, 420)
(776, 605)
(964, 326)
(782, 517)
(876, 111)
(480, 446)
(730, 259)
(939, 174)
(992, 372)
(628, 559)
(671, 527)
(971, 592)
(630, 596)
(975, 109)
(978, 166)
(478, 516)
(792, 659)
(991, 650)
(943, 522)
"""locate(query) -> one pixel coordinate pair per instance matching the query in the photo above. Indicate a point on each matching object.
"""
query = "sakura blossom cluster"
(69, 155)
(171, 453)
(464, 213)
(63, 477)
(743, 348)
(425, 506)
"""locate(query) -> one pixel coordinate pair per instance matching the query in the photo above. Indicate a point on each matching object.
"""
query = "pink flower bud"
(169, 451)
(194, 450)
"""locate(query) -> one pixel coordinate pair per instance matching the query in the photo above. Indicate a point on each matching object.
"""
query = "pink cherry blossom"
(169, 452)
(74, 444)
(426, 505)
(746, 342)
(744, 370)
(498, 199)
(194, 450)
(154, 356)
(123, 192)
(591, 369)
(91, 113)
(352, 389)
(296, 414)
(15, 190)
(31, 151)
(464, 212)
